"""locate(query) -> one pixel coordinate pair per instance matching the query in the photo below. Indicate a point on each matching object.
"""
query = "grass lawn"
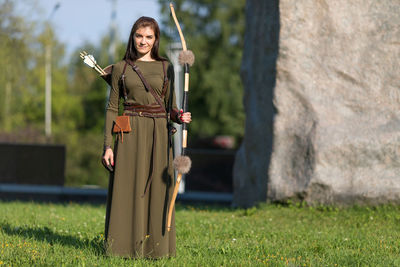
(33, 234)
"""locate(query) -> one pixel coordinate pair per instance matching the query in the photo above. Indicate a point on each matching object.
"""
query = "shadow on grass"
(44, 234)
(203, 207)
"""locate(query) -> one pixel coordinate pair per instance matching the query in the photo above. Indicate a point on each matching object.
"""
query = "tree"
(22, 53)
(15, 35)
(22, 82)
(213, 31)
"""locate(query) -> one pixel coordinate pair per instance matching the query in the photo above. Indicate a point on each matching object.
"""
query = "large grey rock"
(336, 91)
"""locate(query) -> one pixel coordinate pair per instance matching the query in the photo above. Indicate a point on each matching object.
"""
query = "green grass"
(33, 234)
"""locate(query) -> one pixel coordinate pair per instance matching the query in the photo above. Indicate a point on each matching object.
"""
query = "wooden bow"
(182, 163)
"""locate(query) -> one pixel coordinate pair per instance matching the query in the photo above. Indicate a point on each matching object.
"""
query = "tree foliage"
(22, 83)
(213, 31)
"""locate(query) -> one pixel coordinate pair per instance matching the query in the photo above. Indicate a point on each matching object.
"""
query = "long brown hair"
(131, 52)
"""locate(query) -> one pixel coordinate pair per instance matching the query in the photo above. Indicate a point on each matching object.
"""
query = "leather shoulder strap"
(165, 84)
(123, 82)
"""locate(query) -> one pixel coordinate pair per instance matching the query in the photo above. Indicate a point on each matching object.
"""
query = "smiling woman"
(141, 184)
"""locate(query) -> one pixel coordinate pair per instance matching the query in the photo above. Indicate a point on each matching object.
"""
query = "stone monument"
(322, 103)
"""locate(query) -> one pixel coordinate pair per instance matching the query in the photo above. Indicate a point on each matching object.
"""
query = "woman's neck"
(145, 57)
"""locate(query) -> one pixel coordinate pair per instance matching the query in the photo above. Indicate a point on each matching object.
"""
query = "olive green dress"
(136, 217)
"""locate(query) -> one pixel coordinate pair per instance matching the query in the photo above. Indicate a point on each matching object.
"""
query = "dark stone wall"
(32, 164)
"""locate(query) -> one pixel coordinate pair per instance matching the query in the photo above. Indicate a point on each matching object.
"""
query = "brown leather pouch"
(122, 125)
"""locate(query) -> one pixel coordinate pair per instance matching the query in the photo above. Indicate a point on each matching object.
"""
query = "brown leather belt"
(145, 114)
(150, 111)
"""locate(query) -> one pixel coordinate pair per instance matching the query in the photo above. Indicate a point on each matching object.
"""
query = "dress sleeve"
(112, 106)
(174, 113)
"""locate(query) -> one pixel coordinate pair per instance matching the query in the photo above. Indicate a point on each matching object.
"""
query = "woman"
(142, 182)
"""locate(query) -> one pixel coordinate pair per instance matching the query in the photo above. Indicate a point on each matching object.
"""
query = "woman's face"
(144, 39)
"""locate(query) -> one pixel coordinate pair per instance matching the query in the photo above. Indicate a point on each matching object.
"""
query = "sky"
(78, 20)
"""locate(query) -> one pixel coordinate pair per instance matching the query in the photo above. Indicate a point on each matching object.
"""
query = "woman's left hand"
(186, 117)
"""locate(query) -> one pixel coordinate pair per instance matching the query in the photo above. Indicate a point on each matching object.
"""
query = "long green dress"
(136, 217)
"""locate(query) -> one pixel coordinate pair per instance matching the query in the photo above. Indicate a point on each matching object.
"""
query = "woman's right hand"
(108, 157)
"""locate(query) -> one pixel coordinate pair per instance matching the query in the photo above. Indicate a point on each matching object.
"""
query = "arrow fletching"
(91, 62)
(88, 61)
